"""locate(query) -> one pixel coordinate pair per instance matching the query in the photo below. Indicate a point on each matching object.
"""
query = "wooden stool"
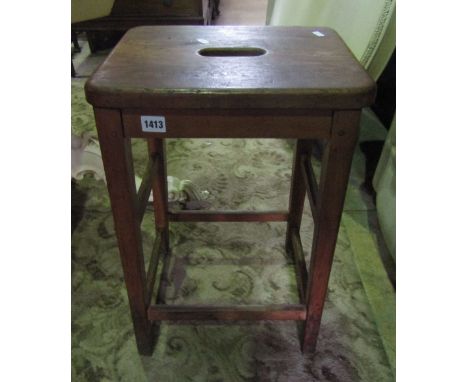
(228, 82)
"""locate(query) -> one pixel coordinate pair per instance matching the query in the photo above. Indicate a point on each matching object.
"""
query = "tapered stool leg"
(118, 165)
(334, 176)
(296, 206)
(156, 147)
(297, 191)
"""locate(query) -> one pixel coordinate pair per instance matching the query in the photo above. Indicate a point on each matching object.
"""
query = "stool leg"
(156, 147)
(160, 200)
(334, 175)
(118, 166)
(297, 191)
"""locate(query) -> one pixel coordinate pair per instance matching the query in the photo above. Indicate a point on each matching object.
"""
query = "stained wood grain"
(118, 166)
(144, 190)
(297, 191)
(334, 176)
(304, 87)
(232, 123)
(310, 183)
(226, 313)
(228, 216)
(157, 151)
(299, 264)
(159, 249)
(160, 65)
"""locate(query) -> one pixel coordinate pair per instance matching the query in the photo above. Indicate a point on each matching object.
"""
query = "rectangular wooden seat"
(213, 67)
(228, 82)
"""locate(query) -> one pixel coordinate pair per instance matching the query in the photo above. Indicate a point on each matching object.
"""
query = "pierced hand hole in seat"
(232, 52)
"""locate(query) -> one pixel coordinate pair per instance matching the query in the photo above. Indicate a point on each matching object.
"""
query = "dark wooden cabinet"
(105, 32)
(161, 8)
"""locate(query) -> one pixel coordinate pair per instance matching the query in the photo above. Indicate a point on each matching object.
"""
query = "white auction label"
(153, 123)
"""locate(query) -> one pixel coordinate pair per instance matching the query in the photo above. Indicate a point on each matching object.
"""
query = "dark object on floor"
(372, 151)
(76, 45)
(384, 106)
(76, 49)
(78, 199)
(216, 11)
(105, 32)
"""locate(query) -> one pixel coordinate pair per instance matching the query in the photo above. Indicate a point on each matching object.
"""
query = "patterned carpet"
(214, 263)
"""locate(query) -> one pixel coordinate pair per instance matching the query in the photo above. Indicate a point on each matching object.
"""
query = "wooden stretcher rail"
(145, 187)
(159, 249)
(311, 184)
(293, 312)
(299, 264)
(228, 216)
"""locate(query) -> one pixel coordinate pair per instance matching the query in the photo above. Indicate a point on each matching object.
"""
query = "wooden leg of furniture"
(334, 176)
(297, 191)
(118, 165)
(293, 244)
(156, 148)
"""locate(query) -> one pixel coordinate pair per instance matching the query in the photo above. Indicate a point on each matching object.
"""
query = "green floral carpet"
(227, 263)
